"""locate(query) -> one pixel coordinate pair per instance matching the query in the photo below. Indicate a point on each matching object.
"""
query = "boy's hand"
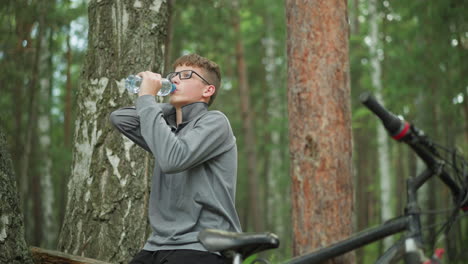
(151, 83)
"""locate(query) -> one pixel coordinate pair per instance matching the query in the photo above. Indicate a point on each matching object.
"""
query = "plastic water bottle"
(133, 83)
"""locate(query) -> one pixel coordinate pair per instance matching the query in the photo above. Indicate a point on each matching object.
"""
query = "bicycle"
(236, 246)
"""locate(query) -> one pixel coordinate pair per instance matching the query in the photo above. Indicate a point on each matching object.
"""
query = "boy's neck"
(178, 115)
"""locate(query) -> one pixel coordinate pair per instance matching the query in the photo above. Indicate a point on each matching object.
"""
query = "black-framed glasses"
(185, 75)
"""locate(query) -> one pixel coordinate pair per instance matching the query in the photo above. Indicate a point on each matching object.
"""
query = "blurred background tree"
(422, 52)
(41, 54)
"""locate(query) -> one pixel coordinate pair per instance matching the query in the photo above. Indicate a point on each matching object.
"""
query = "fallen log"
(45, 256)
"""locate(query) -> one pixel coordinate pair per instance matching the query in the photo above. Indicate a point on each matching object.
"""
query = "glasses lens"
(170, 76)
(185, 75)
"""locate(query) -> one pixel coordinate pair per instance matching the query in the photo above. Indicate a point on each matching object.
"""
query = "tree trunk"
(465, 114)
(433, 185)
(354, 15)
(67, 117)
(170, 34)
(275, 192)
(365, 176)
(319, 124)
(255, 214)
(50, 223)
(68, 95)
(30, 191)
(23, 28)
(13, 248)
(106, 215)
(44, 256)
(382, 135)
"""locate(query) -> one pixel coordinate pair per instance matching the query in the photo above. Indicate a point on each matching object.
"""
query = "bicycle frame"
(409, 222)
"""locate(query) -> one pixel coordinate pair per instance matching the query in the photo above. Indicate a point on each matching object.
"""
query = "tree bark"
(319, 123)
(106, 215)
(247, 127)
(13, 248)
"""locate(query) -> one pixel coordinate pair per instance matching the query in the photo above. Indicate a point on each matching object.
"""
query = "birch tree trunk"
(50, 223)
(319, 123)
(67, 115)
(13, 247)
(275, 192)
(106, 212)
(382, 136)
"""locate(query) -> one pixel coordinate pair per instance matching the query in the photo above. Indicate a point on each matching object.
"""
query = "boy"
(194, 180)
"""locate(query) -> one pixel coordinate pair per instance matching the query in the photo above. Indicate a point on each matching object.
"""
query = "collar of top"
(189, 112)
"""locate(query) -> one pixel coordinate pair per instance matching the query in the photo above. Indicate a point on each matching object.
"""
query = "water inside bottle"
(132, 83)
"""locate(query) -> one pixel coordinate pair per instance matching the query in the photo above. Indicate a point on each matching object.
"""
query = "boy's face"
(190, 90)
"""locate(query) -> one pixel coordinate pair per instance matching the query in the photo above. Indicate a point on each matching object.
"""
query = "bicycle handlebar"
(394, 125)
(401, 130)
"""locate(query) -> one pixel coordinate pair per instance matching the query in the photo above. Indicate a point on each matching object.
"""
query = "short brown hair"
(211, 70)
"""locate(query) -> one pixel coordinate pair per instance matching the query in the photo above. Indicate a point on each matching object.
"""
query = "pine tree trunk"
(19, 110)
(436, 133)
(170, 34)
(23, 28)
(106, 212)
(255, 214)
(13, 247)
(465, 114)
(31, 191)
(319, 124)
(365, 176)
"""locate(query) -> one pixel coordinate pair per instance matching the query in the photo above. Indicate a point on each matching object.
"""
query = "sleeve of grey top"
(209, 137)
(127, 121)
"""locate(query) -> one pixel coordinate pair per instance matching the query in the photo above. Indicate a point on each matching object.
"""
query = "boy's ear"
(209, 91)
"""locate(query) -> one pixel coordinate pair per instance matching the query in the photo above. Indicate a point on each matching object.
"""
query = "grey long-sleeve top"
(194, 179)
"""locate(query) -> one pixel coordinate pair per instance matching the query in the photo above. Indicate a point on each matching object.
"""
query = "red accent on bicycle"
(437, 257)
(403, 132)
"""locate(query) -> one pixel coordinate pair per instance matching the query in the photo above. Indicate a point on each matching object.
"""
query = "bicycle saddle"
(228, 243)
